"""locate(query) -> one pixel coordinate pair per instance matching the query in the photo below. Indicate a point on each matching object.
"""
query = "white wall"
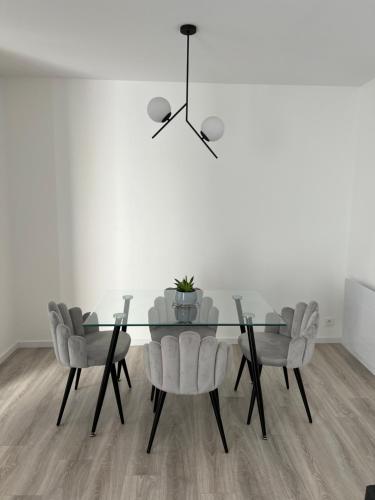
(271, 214)
(32, 198)
(359, 325)
(6, 293)
(361, 261)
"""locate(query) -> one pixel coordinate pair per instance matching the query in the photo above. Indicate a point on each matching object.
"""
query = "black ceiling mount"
(188, 30)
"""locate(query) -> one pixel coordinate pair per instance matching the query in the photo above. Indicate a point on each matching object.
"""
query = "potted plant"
(185, 292)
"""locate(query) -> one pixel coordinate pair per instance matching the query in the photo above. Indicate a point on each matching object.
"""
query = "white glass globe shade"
(212, 128)
(159, 109)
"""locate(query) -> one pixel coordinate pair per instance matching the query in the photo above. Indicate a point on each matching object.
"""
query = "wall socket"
(329, 321)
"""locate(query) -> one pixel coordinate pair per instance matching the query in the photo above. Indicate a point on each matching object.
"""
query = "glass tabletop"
(168, 308)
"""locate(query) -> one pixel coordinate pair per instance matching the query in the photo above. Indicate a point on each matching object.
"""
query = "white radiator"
(359, 322)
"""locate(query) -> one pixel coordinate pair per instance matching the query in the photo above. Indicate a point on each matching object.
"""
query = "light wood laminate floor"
(334, 458)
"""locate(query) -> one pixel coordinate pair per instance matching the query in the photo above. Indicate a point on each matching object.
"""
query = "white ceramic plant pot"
(186, 298)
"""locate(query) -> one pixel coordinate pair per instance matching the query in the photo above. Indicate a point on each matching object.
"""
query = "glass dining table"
(163, 312)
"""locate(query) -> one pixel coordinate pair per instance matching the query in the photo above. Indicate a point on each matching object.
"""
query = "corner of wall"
(7, 340)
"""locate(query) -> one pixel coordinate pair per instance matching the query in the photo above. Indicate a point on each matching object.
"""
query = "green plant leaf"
(185, 285)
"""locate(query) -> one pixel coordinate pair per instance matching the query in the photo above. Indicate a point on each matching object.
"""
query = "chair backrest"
(64, 323)
(61, 328)
(163, 311)
(77, 321)
(186, 364)
(303, 324)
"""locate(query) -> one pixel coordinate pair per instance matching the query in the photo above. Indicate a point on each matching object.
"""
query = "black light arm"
(169, 120)
(201, 138)
(188, 30)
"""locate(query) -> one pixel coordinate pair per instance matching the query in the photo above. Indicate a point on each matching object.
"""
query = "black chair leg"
(216, 392)
(77, 378)
(66, 394)
(152, 393)
(156, 418)
(118, 370)
(240, 370)
(117, 391)
(126, 373)
(252, 399)
(297, 373)
(214, 402)
(157, 392)
(285, 370)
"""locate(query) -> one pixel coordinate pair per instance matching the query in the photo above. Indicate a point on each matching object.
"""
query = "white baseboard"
(33, 344)
(328, 340)
(8, 352)
(233, 340)
(350, 348)
(30, 344)
(319, 340)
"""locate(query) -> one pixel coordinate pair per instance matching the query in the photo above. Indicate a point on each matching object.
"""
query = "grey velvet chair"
(258, 338)
(163, 311)
(77, 347)
(186, 364)
(291, 346)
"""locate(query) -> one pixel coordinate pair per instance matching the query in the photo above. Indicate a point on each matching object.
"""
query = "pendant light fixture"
(160, 111)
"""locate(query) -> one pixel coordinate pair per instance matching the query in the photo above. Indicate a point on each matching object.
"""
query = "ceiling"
(318, 42)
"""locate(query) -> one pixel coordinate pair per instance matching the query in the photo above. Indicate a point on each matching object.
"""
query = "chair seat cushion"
(98, 346)
(272, 348)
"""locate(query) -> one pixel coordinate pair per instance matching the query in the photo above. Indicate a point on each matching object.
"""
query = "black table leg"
(252, 400)
(256, 376)
(250, 370)
(117, 392)
(106, 374)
